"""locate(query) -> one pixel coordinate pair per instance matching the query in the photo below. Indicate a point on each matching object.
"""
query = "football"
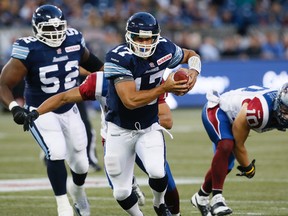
(180, 75)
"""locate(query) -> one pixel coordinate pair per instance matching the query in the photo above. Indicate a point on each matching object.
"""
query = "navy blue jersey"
(147, 74)
(50, 70)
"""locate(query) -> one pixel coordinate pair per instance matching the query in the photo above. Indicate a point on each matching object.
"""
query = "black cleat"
(162, 210)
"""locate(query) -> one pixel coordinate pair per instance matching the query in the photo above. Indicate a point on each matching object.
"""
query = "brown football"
(180, 75)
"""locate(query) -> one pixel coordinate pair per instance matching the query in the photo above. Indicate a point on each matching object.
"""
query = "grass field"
(189, 155)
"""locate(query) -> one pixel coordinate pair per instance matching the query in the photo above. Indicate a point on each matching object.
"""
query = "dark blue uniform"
(50, 70)
(120, 62)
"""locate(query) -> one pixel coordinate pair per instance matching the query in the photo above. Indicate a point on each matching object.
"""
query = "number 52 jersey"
(50, 70)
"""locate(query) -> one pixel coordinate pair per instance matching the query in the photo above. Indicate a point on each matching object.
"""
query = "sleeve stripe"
(177, 58)
(113, 69)
(99, 84)
(20, 52)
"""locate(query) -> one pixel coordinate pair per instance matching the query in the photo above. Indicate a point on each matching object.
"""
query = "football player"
(228, 119)
(95, 88)
(135, 70)
(49, 62)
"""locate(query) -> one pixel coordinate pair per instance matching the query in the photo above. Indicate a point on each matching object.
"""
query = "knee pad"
(155, 172)
(121, 193)
(112, 165)
(79, 163)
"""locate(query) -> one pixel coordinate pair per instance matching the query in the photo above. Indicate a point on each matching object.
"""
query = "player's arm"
(12, 74)
(83, 72)
(132, 98)
(165, 115)
(241, 129)
(71, 96)
(194, 64)
(90, 62)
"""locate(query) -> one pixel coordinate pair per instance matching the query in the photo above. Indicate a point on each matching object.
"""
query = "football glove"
(19, 114)
(29, 119)
(248, 171)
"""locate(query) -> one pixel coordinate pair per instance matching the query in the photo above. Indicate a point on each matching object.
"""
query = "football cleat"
(218, 206)
(202, 203)
(140, 195)
(162, 210)
(78, 195)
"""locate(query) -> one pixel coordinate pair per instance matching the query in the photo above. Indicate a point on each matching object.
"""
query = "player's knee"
(112, 165)
(121, 193)
(156, 172)
(79, 165)
(225, 146)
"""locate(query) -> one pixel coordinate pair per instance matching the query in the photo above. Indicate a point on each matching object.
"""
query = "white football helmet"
(49, 25)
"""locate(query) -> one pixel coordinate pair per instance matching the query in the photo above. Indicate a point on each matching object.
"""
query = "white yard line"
(14, 185)
(91, 182)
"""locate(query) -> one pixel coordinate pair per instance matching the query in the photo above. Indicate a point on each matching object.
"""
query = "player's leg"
(119, 162)
(77, 160)
(218, 128)
(47, 132)
(172, 199)
(171, 196)
(151, 150)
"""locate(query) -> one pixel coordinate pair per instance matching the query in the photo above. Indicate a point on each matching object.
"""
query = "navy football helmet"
(281, 106)
(142, 25)
(49, 25)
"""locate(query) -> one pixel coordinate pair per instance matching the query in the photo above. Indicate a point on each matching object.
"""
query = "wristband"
(194, 62)
(12, 104)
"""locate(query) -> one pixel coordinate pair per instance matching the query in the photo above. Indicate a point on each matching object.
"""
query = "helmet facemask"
(281, 106)
(139, 49)
(52, 33)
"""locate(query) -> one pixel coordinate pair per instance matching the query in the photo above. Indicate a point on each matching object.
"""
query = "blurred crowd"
(216, 29)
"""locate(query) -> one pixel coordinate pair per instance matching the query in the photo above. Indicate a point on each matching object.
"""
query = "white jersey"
(232, 101)
(260, 104)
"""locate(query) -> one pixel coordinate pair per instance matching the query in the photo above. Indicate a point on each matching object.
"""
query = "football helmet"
(142, 25)
(281, 106)
(49, 25)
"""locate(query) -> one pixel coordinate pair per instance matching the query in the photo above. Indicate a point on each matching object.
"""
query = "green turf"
(189, 155)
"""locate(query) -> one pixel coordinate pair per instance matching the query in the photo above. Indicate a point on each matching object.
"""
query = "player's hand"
(248, 171)
(29, 119)
(177, 87)
(19, 114)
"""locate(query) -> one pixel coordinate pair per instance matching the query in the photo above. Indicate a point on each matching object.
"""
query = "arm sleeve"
(95, 85)
(92, 64)
(87, 88)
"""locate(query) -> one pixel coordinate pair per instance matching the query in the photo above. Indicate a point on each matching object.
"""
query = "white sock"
(62, 200)
(158, 197)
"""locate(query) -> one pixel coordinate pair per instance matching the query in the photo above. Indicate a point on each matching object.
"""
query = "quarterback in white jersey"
(228, 120)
